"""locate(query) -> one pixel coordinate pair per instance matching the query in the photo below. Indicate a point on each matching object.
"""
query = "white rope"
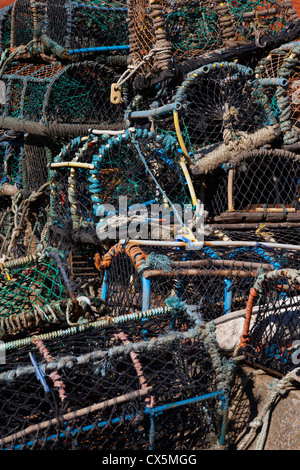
(279, 388)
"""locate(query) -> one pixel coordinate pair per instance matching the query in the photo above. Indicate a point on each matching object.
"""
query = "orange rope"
(245, 339)
(133, 251)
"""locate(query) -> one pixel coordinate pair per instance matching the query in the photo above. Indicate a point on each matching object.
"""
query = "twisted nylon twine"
(262, 421)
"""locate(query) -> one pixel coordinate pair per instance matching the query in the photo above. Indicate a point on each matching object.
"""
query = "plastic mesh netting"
(128, 129)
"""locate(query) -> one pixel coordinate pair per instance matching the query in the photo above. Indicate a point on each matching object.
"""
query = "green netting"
(184, 29)
(192, 27)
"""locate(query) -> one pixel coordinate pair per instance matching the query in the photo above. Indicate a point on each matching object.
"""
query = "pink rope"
(138, 367)
(54, 376)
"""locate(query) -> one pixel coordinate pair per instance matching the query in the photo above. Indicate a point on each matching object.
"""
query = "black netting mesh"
(68, 94)
(116, 117)
(220, 104)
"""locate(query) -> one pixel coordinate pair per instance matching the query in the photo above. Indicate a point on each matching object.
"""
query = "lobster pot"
(71, 25)
(113, 387)
(76, 93)
(29, 286)
(269, 77)
(219, 105)
(37, 155)
(5, 27)
(193, 27)
(116, 181)
(25, 17)
(271, 339)
(262, 186)
(96, 24)
(255, 18)
(140, 277)
(290, 125)
(187, 29)
(71, 203)
(281, 66)
(11, 155)
(285, 233)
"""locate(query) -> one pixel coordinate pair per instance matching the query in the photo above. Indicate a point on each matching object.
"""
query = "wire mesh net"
(103, 389)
